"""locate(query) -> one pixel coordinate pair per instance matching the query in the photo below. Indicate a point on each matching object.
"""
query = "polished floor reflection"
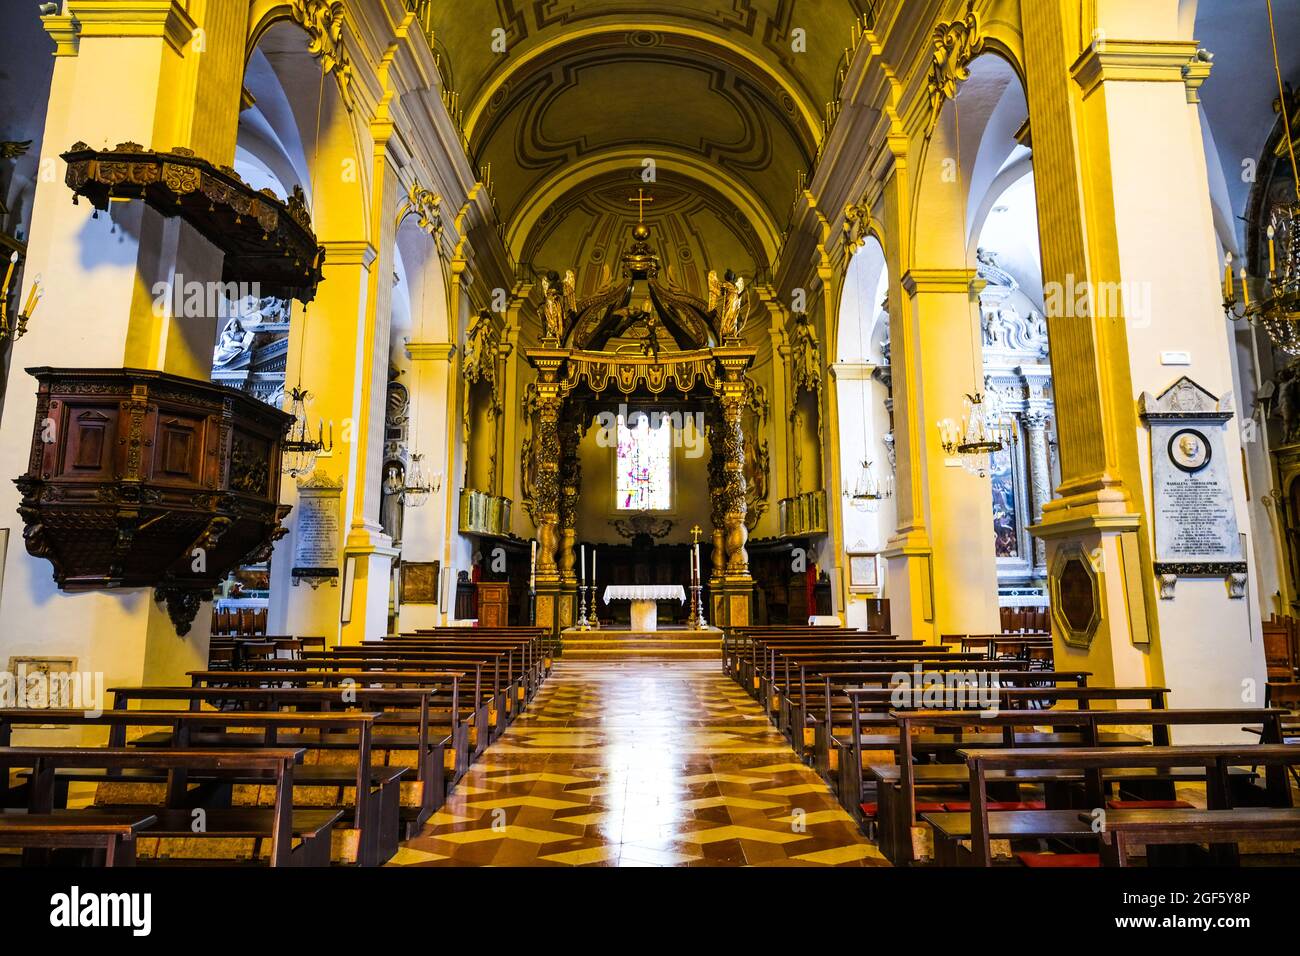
(640, 763)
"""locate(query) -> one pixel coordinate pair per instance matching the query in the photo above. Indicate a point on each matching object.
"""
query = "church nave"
(640, 762)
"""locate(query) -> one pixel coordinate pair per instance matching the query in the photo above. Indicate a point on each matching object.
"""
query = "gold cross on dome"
(640, 199)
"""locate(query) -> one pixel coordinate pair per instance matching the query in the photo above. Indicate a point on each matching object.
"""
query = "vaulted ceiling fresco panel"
(763, 28)
(692, 229)
(649, 98)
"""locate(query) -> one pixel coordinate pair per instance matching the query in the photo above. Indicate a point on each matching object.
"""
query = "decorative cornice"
(1088, 524)
(63, 31)
(431, 351)
(853, 371)
(321, 482)
(133, 18)
(349, 252)
(1142, 61)
(1196, 72)
(916, 281)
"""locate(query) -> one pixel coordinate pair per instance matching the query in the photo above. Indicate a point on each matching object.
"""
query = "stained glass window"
(643, 480)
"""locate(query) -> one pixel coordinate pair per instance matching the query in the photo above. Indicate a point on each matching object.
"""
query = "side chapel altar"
(691, 359)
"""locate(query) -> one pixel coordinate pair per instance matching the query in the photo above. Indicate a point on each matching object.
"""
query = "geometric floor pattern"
(640, 763)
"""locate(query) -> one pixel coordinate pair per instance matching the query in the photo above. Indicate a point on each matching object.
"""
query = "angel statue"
(558, 302)
(726, 303)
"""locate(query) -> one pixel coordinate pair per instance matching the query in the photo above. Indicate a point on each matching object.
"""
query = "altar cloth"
(645, 592)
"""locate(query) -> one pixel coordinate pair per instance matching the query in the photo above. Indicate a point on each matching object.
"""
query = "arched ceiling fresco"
(716, 86)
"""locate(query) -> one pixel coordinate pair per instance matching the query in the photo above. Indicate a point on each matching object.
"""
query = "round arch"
(691, 167)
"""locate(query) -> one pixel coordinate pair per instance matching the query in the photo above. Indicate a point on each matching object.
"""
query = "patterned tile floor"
(640, 763)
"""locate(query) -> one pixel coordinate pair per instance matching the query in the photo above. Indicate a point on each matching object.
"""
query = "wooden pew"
(445, 723)
(823, 685)
(112, 838)
(1018, 729)
(397, 707)
(373, 811)
(282, 825)
(828, 730)
(896, 784)
(1120, 829)
(738, 642)
(526, 665)
(479, 701)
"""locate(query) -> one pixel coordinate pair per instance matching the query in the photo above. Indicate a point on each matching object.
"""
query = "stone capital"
(132, 18)
(1141, 61)
(431, 351)
(348, 252)
(940, 281)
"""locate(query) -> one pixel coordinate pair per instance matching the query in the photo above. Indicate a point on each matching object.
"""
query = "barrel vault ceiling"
(711, 90)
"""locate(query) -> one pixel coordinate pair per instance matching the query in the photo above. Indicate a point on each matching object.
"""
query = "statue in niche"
(559, 301)
(806, 354)
(727, 303)
(391, 509)
(758, 465)
(528, 458)
(1287, 401)
(480, 349)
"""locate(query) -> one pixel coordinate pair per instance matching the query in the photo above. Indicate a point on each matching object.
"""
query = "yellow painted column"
(1131, 272)
(368, 549)
(959, 504)
(326, 356)
(123, 72)
(909, 579)
(424, 531)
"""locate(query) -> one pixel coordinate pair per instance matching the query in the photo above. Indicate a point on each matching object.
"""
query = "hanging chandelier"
(300, 449)
(1277, 305)
(866, 492)
(980, 435)
(417, 489)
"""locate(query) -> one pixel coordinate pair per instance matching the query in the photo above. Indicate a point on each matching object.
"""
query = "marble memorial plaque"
(316, 533)
(1195, 513)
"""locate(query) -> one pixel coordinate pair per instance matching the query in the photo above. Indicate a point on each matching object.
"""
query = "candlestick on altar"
(696, 614)
(583, 623)
(594, 619)
(582, 564)
(532, 567)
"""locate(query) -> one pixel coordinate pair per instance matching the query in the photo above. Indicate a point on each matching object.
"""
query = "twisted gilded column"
(732, 493)
(570, 474)
(546, 499)
(719, 561)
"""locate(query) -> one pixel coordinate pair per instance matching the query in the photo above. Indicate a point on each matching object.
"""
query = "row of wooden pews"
(947, 755)
(331, 755)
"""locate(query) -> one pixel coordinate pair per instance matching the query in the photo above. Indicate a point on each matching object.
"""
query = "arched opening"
(864, 399)
(292, 125)
(1003, 244)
